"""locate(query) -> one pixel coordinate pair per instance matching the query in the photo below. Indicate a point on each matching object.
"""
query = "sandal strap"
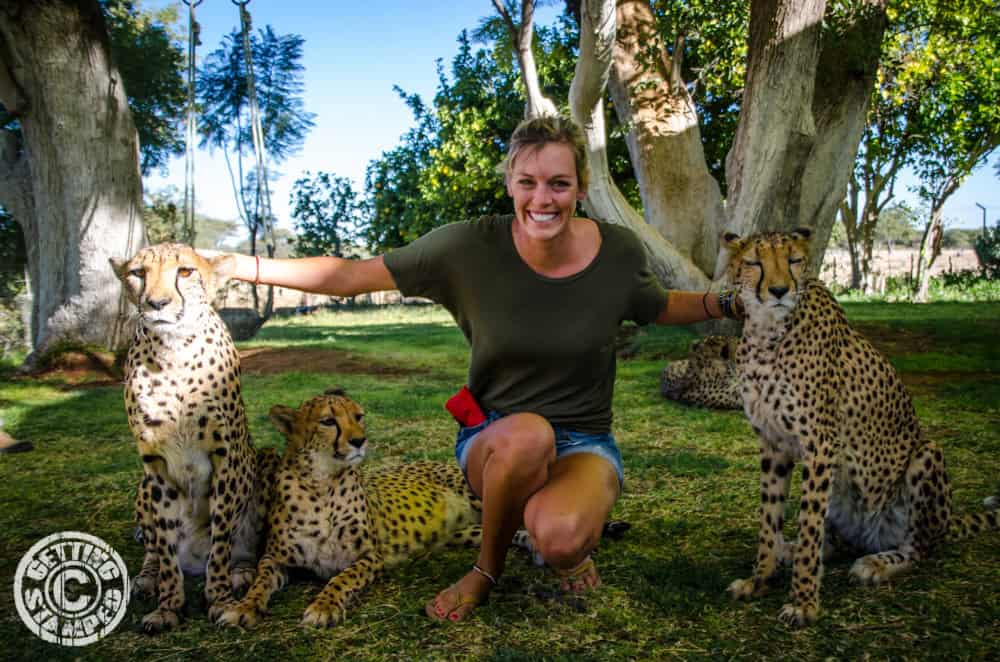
(581, 569)
(493, 580)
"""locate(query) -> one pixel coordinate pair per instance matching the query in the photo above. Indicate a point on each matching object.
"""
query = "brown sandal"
(463, 600)
(571, 579)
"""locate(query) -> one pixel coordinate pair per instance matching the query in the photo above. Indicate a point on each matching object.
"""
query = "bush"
(988, 251)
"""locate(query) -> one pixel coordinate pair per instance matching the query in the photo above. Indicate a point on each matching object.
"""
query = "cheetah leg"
(929, 516)
(163, 538)
(227, 496)
(807, 566)
(271, 577)
(144, 584)
(330, 606)
(776, 469)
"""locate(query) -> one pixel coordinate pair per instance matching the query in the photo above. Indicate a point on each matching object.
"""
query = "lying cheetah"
(199, 506)
(817, 392)
(708, 377)
(331, 519)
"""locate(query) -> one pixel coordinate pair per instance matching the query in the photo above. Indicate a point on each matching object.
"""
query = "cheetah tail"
(966, 526)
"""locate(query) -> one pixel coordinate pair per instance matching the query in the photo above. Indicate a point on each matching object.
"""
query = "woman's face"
(545, 190)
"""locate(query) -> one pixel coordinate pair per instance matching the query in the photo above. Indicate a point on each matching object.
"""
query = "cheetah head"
(767, 270)
(171, 284)
(329, 427)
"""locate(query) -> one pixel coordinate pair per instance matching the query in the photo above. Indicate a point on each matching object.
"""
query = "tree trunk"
(804, 105)
(74, 185)
(680, 198)
(537, 103)
(930, 249)
(604, 200)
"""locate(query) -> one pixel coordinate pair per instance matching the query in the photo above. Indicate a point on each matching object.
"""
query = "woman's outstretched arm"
(322, 275)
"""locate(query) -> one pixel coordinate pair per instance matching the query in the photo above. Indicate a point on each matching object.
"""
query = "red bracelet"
(256, 280)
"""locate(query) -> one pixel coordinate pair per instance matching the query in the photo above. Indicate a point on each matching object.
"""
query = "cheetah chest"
(331, 538)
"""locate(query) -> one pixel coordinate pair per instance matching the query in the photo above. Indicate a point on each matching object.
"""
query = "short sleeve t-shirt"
(538, 344)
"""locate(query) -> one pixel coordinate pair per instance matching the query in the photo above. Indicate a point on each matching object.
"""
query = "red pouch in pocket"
(464, 408)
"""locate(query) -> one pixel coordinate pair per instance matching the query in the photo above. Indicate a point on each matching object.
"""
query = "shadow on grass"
(677, 463)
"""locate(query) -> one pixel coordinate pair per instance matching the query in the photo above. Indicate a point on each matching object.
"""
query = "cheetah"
(817, 392)
(201, 503)
(708, 377)
(332, 519)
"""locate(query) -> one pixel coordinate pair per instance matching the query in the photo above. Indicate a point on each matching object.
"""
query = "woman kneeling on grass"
(539, 297)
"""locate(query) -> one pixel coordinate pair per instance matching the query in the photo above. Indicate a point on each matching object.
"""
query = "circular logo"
(71, 588)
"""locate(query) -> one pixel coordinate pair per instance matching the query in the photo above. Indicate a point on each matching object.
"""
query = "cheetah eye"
(794, 260)
(751, 263)
(138, 272)
(184, 272)
(359, 417)
(330, 422)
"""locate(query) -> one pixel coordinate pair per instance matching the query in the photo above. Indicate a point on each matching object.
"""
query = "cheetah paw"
(321, 617)
(798, 616)
(216, 609)
(160, 620)
(745, 589)
(869, 571)
(242, 577)
(240, 616)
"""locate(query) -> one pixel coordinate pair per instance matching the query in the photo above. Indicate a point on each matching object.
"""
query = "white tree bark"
(604, 200)
(803, 114)
(538, 104)
(74, 184)
(680, 198)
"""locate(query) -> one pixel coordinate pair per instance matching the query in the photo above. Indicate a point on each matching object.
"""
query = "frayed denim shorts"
(568, 442)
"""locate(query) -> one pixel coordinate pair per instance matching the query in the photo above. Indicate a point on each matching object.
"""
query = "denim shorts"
(568, 442)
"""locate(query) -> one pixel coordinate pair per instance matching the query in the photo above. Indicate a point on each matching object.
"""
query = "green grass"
(691, 497)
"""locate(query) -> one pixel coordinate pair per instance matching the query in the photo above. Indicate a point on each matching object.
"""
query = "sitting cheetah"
(708, 378)
(199, 506)
(817, 392)
(331, 519)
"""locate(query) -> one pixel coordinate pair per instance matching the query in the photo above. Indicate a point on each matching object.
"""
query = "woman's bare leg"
(566, 516)
(508, 463)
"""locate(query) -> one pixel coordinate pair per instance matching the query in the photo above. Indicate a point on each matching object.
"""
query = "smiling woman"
(539, 296)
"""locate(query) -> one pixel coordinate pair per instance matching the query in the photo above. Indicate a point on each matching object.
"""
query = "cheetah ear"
(118, 266)
(801, 233)
(335, 391)
(732, 241)
(283, 419)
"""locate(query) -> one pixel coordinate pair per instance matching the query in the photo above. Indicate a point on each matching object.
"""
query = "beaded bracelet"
(727, 300)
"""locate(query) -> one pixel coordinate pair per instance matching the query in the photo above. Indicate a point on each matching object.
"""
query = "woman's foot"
(458, 600)
(583, 577)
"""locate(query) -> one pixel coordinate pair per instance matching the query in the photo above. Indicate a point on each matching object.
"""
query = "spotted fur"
(341, 524)
(818, 393)
(201, 503)
(708, 377)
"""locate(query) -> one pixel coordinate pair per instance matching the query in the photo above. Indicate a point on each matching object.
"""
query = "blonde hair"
(537, 132)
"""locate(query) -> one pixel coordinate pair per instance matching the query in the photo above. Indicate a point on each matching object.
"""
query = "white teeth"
(543, 218)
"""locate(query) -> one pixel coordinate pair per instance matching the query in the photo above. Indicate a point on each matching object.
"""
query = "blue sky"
(354, 53)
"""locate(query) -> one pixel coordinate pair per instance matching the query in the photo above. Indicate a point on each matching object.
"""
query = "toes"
(160, 620)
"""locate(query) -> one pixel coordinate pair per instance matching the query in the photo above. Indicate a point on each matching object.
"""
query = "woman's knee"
(522, 444)
(562, 538)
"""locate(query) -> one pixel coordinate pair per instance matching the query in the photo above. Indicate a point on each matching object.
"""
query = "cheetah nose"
(778, 292)
(157, 304)
(359, 442)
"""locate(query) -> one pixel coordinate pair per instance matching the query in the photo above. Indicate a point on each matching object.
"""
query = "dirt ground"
(94, 369)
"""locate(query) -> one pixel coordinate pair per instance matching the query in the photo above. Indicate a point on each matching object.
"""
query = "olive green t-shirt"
(538, 344)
